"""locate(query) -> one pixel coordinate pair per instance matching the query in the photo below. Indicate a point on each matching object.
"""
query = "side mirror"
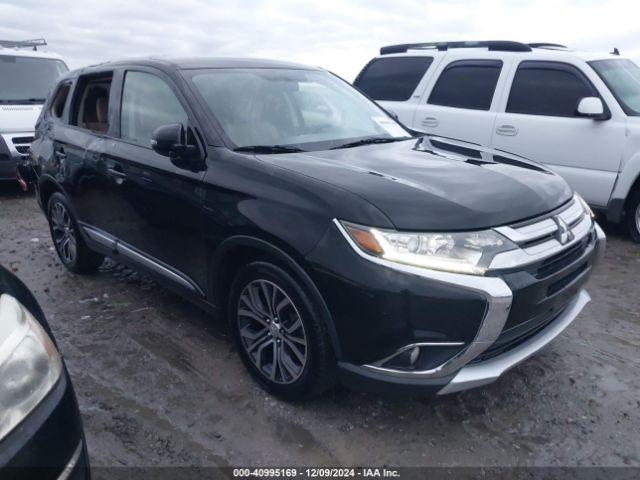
(592, 107)
(171, 141)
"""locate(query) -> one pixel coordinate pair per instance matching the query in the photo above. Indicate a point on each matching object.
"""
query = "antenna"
(35, 43)
(615, 52)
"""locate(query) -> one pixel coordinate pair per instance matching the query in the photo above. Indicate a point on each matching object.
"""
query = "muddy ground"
(159, 384)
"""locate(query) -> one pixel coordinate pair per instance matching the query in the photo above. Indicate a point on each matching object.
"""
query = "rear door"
(394, 82)
(157, 201)
(539, 121)
(462, 99)
(78, 132)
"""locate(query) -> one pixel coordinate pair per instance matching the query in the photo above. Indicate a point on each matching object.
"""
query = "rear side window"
(548, 88)
(393, 78)
(91, 103)
(467, 84)
(147, 103)
(60, 100)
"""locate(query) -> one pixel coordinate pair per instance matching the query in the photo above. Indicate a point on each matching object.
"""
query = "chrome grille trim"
(543, 228)
(16, 144)
(537, 241)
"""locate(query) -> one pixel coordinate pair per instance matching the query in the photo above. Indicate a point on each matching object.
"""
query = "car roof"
(23, 52)
(194, 63)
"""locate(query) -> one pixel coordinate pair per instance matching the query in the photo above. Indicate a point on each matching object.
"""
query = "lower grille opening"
(562, 283)
(507, 341)
(557, 262)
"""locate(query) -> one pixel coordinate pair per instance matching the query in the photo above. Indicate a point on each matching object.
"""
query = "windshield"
(301, 109)
(28, 79)
(623, 79)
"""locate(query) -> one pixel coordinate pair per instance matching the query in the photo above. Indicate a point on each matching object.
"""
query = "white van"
(577, 112)
(26, 76)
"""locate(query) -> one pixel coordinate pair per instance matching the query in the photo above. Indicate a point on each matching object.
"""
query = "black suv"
(339, 245)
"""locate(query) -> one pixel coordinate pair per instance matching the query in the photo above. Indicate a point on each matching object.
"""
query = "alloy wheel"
(64, 236)
(637, 217)
(272, 332)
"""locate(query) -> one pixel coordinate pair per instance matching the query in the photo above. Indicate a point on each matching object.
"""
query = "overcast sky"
(339, 36)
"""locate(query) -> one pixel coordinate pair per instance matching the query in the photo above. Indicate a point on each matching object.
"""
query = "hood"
(432, 184)
(19, 118)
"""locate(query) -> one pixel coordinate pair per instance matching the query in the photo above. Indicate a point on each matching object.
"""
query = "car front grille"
(543, 274)
(21, 144)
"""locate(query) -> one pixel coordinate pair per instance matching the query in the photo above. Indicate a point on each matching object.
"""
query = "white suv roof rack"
(35, 43)
(494, 45)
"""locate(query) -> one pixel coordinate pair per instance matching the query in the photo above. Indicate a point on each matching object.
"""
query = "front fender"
(627, 178)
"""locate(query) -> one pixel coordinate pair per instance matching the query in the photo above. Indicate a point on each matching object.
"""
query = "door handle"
(507, 130)
(430, 122)
(59, 153)
(116, 173)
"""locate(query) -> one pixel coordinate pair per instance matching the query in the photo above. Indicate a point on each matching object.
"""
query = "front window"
(27, 79)
(623, 79)
(303, 109)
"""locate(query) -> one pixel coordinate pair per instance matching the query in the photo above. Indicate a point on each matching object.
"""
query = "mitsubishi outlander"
(340, 246)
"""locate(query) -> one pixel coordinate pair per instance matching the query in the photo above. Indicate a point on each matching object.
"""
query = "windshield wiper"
(268, 149)
(370, 141)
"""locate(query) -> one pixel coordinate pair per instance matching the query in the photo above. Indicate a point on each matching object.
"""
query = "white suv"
(577, 112)
(26, 76)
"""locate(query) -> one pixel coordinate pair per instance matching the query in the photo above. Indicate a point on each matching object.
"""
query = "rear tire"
(67, 239)
(633, 215)
(279, 332)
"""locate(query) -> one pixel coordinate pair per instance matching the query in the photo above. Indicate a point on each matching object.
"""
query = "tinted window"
(545, 88)
(60, 100)
(467, 84)
(27, 79)
(147, 103)
(393, 78)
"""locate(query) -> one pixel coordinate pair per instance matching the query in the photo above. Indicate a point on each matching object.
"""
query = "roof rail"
(496, 45)
(546, 45)
(35, 43)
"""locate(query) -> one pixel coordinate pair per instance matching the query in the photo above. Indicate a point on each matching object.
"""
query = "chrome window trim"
(495, 290)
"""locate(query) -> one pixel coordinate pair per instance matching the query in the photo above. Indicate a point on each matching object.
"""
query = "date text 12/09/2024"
(315, 472)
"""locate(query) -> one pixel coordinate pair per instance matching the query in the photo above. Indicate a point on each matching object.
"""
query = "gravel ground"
(159, 384)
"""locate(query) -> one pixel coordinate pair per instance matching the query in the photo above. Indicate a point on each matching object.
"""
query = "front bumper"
(523, 312)
(49, 443)
(13, 152)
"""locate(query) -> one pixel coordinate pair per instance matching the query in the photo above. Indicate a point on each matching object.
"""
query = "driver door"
(156, 212)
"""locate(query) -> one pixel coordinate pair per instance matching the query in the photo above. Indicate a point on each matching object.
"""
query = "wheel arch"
(239, 250)
(47, 186)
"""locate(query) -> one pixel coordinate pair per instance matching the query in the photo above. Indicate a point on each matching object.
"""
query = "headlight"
(584, 204)
(30, 364)
(463, 252)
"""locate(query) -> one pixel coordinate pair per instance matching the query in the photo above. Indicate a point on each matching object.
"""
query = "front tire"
(633, 215)
(69, 244)
(279, 332)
